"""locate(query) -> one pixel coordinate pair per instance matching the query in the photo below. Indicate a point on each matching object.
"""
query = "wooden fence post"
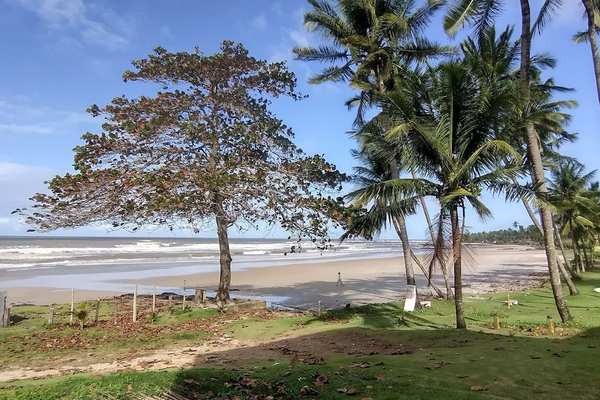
(97, 312)
(72, 313)
(4, 311)
(115, 310)
(51, 314)
(135, 304)
(154, 301)
(199, 296)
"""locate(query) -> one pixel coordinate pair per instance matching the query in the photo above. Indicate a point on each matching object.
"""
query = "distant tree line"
(517, 234)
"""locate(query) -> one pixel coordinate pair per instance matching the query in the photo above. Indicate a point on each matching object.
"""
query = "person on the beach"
(339, 281)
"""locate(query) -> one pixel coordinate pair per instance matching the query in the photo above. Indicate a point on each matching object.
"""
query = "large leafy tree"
(203, 149)
(481, 14)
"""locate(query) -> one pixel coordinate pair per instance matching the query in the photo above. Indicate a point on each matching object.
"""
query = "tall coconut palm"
(370, 43)
(592, 14)
(456, 154)
(382, 161)
(368, 39)
(576, 207)
(481, 13)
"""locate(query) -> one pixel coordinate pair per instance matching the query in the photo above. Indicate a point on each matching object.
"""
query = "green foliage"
(519, 235)
(418, 356)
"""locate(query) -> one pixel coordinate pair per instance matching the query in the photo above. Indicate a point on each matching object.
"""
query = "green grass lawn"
(377, 352)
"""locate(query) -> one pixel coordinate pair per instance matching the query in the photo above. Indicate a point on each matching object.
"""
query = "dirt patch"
(225, 351)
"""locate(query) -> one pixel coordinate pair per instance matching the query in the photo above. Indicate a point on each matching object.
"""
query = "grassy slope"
(518, 361)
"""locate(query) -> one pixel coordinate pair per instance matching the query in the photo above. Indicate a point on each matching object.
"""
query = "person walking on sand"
(339, 281)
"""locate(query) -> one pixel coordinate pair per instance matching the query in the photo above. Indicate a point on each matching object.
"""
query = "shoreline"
(488, 268)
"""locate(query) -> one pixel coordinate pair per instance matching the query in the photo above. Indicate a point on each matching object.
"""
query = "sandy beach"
(488, 268)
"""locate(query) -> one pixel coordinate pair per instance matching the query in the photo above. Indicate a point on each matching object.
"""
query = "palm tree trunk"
(589, 11)
(424, 270)
(538, 168)
(575, 246)
(586, 259)
(532, 215)
(430, 227)
(438, 255)
(562, 266)
(400, 225)
(457, 255)
(225, 260)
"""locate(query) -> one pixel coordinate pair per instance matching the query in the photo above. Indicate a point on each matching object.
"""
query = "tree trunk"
(586, 259)
(431, 230)
(538, 168)
(589, 11)
(438, 254)
(563, 268)
(532, 215)
(422, 267)
(574, 244)
(225, 260)
(561, 246)
(400, 225)
(457, 255)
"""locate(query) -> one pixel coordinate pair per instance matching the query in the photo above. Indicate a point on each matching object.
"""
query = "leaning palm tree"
(481, 14)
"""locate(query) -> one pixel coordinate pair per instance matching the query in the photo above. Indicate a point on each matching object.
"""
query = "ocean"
(104, 263)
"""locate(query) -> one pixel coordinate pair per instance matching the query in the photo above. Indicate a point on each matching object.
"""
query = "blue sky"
(60, 56)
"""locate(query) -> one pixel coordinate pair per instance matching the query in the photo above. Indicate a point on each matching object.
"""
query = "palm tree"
(481, 13)
(368, 39)
(456, 154)
(576, 207)
(371, 42)
(381, 161)
(592, 8)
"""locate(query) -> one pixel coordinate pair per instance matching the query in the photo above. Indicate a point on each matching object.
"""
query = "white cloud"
(75, 15)
(259, 22)
(20, 117)
(19, 182)
(300, 38)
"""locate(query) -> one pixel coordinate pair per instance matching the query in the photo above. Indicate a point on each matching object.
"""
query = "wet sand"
(486, 269)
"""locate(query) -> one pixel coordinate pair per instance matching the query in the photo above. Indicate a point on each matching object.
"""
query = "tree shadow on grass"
(399, 364)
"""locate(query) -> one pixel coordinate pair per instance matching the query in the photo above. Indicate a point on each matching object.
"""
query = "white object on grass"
(597, 290)
(425, 304)
(411, 298)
